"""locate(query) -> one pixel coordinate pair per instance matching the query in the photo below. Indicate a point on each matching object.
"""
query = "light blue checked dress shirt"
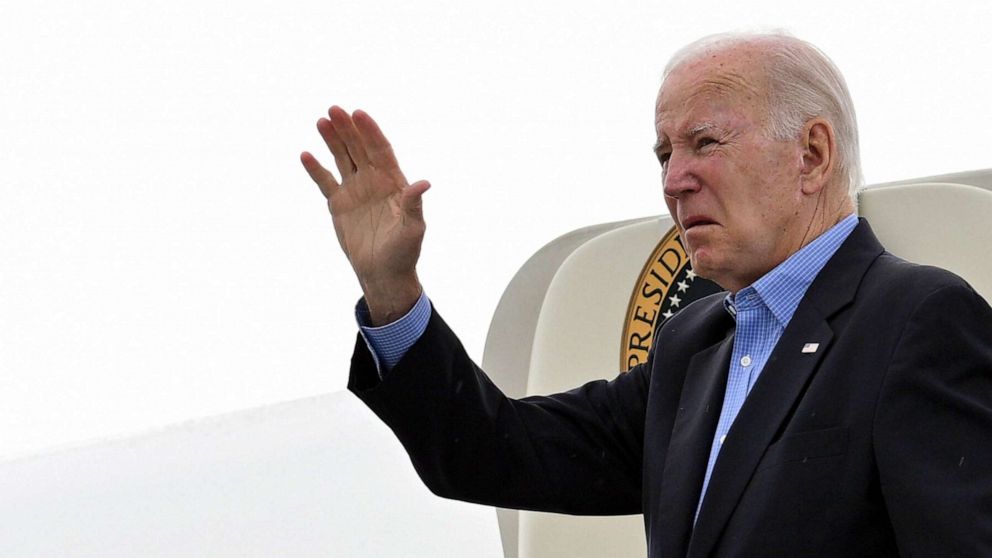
(761, 311)
(390, 342)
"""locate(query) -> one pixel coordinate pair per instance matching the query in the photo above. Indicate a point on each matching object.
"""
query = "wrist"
(391, 299)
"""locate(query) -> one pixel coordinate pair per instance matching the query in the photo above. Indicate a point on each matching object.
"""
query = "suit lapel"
(692, 434)
(782, 382)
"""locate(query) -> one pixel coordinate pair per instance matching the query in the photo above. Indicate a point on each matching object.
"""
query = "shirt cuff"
(390, 342)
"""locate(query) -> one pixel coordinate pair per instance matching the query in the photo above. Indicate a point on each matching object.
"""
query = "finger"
(337, 147)
(412, 201)
(345, 129)
(377, 147)
(323, 177)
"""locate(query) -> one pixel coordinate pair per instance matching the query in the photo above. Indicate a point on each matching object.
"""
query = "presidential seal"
(666, 285)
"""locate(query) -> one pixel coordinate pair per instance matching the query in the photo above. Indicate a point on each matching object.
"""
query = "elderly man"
(837, 401)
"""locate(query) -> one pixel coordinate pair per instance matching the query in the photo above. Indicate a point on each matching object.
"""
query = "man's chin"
(701, 263)
(704, 267)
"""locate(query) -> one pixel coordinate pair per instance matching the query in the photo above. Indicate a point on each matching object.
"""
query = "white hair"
(803, 83)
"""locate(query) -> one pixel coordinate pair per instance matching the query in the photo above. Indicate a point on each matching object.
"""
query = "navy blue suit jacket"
(877, 444)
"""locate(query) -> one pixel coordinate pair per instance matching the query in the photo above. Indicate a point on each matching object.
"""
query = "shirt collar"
(782, 288)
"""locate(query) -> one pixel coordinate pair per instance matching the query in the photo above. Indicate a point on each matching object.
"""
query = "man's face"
(733, 193)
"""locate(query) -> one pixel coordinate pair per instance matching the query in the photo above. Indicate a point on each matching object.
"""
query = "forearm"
(468, 441)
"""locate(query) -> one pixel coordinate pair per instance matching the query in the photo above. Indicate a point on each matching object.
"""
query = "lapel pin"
(810, 348)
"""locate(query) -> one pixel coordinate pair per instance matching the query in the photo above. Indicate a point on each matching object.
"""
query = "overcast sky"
(165, 257)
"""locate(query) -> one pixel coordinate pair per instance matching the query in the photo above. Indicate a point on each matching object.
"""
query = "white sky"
(163, 255)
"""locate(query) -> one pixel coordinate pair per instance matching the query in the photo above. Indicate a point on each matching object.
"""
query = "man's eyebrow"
(690, 132)
(699, 128)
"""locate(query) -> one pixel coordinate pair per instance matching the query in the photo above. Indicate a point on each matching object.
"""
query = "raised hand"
(377, 215)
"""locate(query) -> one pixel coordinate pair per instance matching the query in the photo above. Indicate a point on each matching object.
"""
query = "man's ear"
(819, 151)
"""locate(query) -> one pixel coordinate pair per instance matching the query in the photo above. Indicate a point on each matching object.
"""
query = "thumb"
(412, 199)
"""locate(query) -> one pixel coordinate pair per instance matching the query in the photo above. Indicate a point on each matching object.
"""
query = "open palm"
(377, 215)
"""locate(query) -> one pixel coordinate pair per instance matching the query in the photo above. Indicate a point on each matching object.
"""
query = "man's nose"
(679, 176)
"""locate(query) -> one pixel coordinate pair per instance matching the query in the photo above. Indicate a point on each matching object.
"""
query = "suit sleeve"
(933, 428)
(577, 452)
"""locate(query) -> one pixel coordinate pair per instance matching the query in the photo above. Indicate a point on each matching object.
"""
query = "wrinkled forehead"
(714, 82)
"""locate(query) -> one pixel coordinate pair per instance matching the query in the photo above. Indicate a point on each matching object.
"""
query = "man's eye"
(663, 159)
(703, 142)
